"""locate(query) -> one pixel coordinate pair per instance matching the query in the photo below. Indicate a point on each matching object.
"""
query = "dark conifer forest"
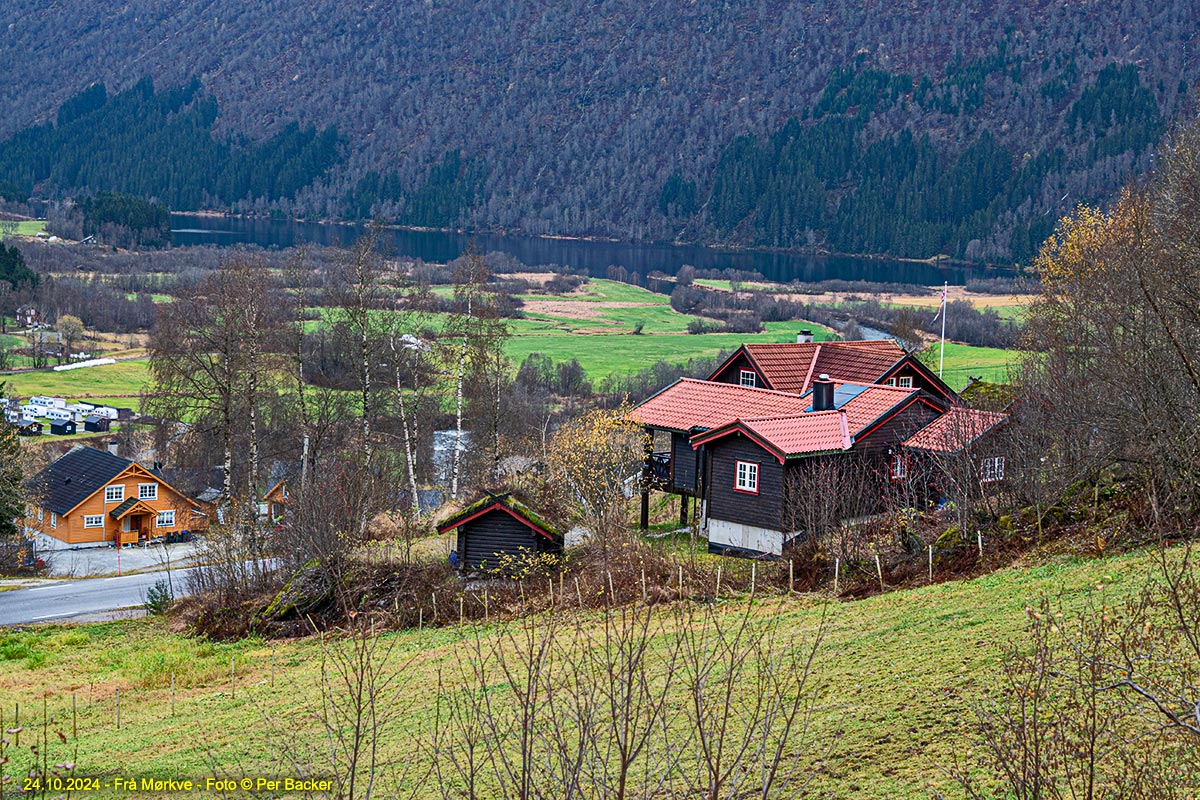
(912, 130)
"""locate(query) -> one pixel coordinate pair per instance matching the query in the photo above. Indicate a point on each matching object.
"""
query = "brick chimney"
(822, 393)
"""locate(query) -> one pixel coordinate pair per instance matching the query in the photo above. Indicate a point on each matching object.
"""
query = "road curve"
(65, 599)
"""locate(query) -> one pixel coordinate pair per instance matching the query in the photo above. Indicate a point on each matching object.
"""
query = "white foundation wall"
(747, 537)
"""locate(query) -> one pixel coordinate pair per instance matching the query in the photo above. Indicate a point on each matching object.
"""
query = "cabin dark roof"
(508, 504)
(73, 477)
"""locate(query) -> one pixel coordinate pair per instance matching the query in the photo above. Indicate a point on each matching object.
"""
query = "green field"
(29, 227)
(899, 673)
(124, 380)
(601, 337)
(964, 361)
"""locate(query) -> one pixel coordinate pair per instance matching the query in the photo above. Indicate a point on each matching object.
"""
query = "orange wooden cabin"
(91, 496)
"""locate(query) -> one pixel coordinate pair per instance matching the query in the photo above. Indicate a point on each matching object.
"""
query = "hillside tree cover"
(913, 131)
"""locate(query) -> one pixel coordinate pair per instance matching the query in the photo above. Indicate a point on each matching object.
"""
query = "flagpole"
(942, 362)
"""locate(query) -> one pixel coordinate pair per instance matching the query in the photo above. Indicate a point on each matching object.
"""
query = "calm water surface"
(594, 257)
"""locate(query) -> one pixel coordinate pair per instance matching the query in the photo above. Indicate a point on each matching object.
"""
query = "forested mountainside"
(911, 129)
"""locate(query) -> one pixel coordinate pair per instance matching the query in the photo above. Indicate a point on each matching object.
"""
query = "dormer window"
(906, 382)
(748, 377)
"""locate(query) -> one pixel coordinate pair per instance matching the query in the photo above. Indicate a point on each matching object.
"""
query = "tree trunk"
(458, 428)
(409, 456)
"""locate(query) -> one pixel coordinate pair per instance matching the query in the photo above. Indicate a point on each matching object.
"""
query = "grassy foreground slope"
(900, 672)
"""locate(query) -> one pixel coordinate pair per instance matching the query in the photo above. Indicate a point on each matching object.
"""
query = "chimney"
(114, 446)
(822, 393)
(805, 336)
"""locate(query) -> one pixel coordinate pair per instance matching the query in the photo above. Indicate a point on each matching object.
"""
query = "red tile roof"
(794, 435)
(791, 367)
(810, 432)
(954, 430)
(688, 404)
(873, 403)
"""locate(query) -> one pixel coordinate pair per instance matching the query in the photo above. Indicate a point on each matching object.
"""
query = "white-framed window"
(53, 520)
(905, 382)
(40, 512)
(891, 381)
(747, 477)
(147, 491)
(166, 519)
(992, 469)
(114, 494)
(899, 469)
(748, 377)
(93, 521)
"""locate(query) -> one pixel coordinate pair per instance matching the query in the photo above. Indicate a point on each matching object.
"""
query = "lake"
(592, 256)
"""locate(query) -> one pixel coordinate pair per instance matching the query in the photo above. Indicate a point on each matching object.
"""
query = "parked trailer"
(107, 412)
(48, 402)
(58, 415)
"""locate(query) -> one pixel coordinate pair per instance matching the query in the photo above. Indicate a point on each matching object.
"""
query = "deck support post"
(648, 452)
(683, 509)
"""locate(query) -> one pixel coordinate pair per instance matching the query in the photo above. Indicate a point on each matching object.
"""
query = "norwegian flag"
(941, 307)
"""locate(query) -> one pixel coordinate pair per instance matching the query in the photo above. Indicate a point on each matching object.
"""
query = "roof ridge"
(738, 387)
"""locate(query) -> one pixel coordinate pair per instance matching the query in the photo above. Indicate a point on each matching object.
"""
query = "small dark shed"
(63, 428)
(497, 526)
(96, 423)
(30, 429)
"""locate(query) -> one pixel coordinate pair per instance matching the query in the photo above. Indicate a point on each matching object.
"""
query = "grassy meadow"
(609, 327)
(29, 227)
(898, 674)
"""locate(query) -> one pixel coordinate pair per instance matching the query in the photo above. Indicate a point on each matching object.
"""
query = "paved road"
(65, 599)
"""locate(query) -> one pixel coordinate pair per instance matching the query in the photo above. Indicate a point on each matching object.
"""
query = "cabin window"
(53, 520)
(166, 519)
(748, 377)
(93, 521)
(891, 381)
(40, 515)
(147, 491)
(114, 494)
(992, 469)
(899, 467)
(905, 382)
(747, 477)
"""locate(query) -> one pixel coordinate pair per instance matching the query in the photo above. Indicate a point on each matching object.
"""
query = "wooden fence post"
(879, 569)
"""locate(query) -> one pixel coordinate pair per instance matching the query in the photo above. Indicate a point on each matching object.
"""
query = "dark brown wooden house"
(496, 528)
(758, 467)
(739, 445)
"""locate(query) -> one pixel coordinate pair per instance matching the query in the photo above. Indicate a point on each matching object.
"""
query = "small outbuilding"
(29, 427)
(496, 528)
(62, 427)
(96, 424)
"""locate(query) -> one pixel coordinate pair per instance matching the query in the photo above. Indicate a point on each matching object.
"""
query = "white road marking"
(44, 588)
(48, 616)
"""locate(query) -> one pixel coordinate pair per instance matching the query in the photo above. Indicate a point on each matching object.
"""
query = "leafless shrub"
(365, 689)
(641, 702)
(1105, 703)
